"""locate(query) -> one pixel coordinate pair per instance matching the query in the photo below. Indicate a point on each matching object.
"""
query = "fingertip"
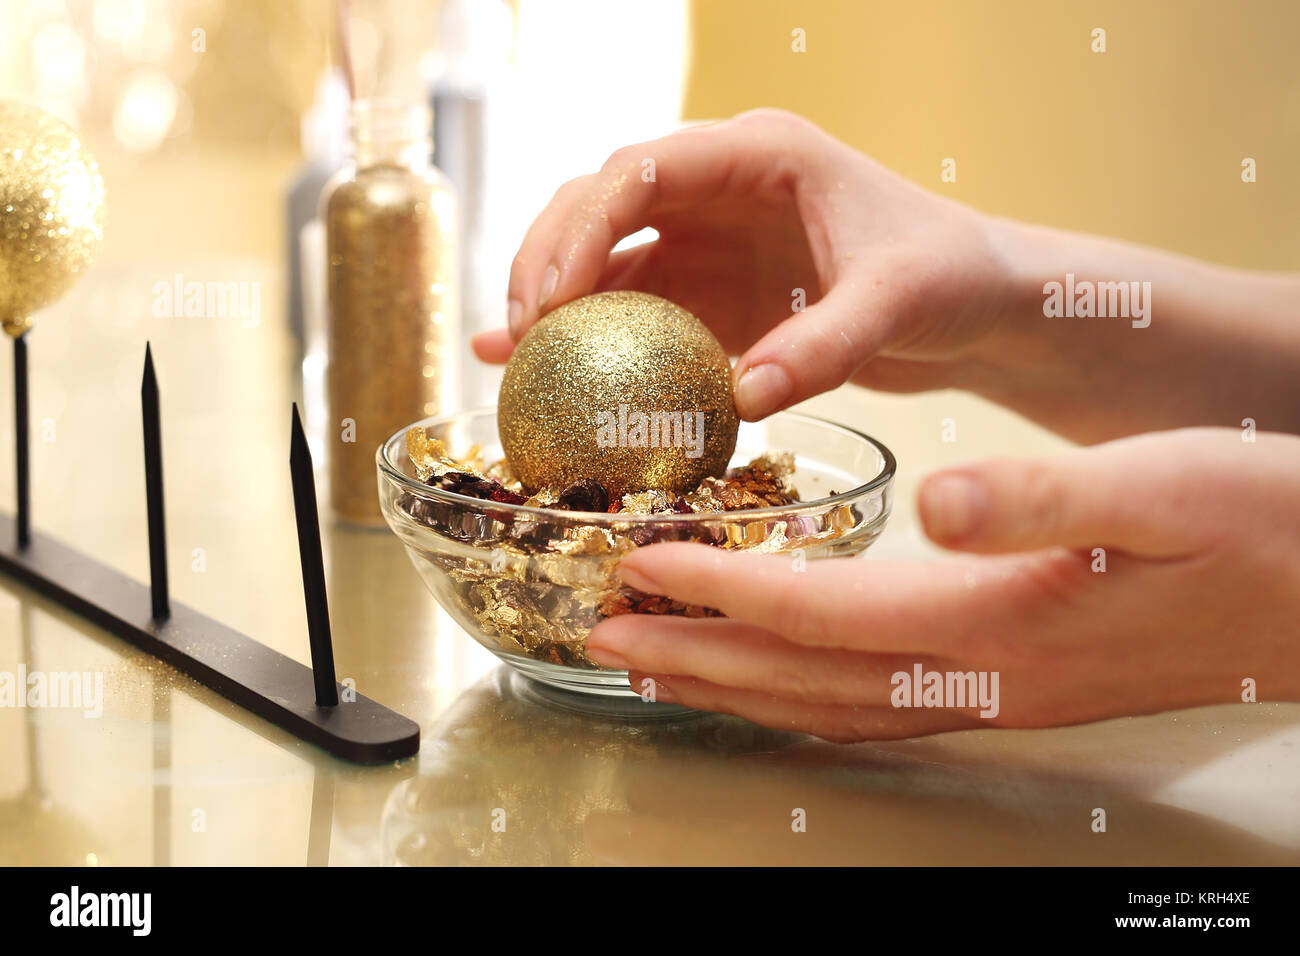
(611, 630)
(637, 570)
(493, 347)
(653, 688)
(952, 507)
(761, 390)
(652, 568)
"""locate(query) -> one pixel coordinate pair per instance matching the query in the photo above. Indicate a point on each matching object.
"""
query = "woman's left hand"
(1147, 574)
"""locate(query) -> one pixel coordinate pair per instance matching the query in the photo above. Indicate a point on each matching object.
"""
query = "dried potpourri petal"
(533, 533)
(452, 521)
(591, 540)
(842, 518)
(756, 535)
(430, 456)
(583, 577)
(474, 486)
(554, 584)
(702, 499)
(545, 498)
(641, 535)
(544, 619)
(631, 601)
(776, 539)
(646, 534)
(512, 610)
(502, 472)
(780, 465)
(585, 495)
(657, 502)
(836, 522)
(461, 524)
(646, 503)
(563, 655)
(750, 487)
(417, 508)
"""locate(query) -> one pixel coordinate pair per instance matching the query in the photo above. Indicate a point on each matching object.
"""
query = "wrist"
(1024, 255)
(1016, 342)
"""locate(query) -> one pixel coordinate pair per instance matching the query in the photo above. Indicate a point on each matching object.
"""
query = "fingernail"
(636, 579)
(663, 694)
(762, 390)
(952, 506)
(514, 313)
(606, 657)
(550, 279)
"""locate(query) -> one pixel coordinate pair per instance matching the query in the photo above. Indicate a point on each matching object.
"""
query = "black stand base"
(257, 678)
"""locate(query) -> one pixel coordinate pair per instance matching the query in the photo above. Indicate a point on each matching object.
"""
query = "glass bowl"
(529, 583)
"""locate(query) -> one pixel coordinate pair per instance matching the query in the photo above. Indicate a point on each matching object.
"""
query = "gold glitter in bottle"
(390, 239)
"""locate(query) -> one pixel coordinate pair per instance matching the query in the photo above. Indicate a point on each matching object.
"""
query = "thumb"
(493, 347)
(1114, 496)
(811, 352)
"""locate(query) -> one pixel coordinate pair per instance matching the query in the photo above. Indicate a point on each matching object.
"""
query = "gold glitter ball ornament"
(51, 211)
(623, 387)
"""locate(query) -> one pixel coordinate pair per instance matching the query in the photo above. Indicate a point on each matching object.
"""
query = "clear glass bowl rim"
(395, 475)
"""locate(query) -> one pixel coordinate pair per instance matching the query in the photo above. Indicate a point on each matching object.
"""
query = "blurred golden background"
(1143, 141)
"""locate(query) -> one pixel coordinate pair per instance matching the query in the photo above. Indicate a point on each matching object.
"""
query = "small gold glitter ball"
(51, 211)
(623, 387)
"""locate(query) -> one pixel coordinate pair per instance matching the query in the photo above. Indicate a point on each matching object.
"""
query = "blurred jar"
(390, 237)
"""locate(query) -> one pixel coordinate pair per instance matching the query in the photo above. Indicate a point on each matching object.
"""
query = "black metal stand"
(301, 700)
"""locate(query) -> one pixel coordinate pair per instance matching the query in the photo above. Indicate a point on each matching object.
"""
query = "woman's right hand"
(758, 216)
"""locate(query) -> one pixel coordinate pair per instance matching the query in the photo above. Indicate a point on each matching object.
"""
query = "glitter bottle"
(390, 234)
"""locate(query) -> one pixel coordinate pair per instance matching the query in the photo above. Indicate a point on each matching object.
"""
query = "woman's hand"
(905, 290)
(1200, 593)
(757, 216)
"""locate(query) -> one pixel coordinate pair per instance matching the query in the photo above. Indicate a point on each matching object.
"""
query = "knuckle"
(515, 282)
(622, 158)
(575, 185)
(795, 133)
(1042, 503)
(558, 196)
(798, 684)
(1003, 650)
(561, 198)
(804, 621)
(833, 353)
(771, 116)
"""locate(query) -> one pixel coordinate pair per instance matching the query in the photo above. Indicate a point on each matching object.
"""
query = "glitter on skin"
(596, 210)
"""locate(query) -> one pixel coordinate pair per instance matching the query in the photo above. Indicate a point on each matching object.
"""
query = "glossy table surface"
(172, 773)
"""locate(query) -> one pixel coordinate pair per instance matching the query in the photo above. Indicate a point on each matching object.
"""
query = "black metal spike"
(22, 444)
(313, 565)
(153, 489)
